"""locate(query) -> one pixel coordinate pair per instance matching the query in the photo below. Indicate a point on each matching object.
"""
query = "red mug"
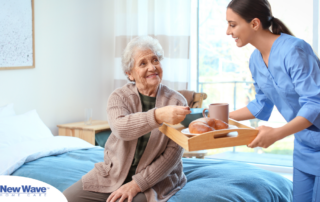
(218, 111)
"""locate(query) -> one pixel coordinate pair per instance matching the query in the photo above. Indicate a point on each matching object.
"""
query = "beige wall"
(74, 59)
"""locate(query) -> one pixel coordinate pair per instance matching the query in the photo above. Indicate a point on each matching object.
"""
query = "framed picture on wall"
(17, 34)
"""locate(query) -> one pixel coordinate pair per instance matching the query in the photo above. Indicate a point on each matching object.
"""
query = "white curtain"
(166, 20)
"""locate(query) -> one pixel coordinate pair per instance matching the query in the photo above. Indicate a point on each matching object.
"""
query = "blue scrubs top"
(292, 84)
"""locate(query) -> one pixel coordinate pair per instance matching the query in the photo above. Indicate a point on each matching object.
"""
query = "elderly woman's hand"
(171, 114)
(126, 191)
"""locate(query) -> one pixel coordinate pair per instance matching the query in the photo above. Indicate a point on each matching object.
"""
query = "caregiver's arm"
(267, 135)
(261, 107)
(296, 125)
(241, 114)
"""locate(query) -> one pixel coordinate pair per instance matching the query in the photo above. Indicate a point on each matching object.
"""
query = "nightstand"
(82, 131)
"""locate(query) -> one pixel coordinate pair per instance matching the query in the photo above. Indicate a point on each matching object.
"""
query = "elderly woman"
(140, 162)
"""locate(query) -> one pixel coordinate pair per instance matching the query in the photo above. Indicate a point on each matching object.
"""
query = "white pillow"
(7, 111)
(22, 128)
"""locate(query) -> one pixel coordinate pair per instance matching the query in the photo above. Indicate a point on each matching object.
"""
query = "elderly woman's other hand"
(126, 191)
(171, 114)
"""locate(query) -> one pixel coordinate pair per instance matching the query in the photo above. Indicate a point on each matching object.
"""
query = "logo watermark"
(23, 189)
(14, 188)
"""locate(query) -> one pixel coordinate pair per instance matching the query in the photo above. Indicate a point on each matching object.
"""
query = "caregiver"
(286, 74)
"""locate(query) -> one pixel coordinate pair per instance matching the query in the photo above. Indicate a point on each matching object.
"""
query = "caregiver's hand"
(126, 191)
(266, 137)
(171, 114)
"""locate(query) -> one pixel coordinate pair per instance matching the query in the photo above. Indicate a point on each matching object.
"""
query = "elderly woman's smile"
(146, 72)
(153, 75)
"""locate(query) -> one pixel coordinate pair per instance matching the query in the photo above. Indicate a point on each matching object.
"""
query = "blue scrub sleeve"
(261, 107)
(303, 67)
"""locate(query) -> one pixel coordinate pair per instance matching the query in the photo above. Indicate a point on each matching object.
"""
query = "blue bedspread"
(216, 181)
(61, 171)
(225, 181)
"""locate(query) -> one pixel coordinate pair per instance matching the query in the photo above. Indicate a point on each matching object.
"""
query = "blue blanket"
(61, 171)
(225, 181)
(208, 180)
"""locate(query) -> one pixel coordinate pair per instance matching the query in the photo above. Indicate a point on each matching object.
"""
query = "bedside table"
(82, 131)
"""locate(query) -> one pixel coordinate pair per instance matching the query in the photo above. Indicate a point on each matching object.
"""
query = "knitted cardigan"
(159, 173)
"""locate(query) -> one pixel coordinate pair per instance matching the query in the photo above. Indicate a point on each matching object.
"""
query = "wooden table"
(82, 131)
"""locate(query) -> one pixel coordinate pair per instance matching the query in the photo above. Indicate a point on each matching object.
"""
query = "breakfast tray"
(210, 140)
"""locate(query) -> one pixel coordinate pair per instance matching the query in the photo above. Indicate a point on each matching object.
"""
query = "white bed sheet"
(13, 157)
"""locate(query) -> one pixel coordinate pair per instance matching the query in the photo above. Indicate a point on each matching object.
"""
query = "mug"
(218, 111)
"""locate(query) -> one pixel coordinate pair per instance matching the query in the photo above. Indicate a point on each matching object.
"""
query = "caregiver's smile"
(238, 28)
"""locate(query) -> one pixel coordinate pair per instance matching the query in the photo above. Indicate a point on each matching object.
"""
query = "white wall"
(73, 52)
(108, 53)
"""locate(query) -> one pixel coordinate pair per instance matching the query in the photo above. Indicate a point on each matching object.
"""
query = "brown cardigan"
(159, 173)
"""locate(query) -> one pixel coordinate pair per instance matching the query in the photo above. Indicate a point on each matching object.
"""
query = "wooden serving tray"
(208, 140)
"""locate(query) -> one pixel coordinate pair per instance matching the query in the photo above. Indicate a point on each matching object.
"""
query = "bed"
(61, 161)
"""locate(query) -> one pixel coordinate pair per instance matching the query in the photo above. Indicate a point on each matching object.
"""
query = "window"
(223, 70)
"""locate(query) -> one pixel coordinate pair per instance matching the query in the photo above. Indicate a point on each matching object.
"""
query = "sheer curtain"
(166, 20)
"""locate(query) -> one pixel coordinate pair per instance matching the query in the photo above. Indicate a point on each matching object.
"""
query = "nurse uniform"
(292, 84)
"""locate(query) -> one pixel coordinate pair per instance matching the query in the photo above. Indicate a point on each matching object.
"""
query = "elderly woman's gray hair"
(136, 44)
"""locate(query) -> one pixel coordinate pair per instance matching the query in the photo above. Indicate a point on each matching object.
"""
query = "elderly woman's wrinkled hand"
(126, 191)
(171, 114)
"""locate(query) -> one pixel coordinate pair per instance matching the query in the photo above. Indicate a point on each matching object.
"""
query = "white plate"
(187, 132)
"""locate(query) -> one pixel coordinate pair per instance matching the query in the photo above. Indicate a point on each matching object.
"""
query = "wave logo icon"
(13, 188)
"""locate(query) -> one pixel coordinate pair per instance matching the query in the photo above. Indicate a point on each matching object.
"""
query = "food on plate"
(203, 125)
(220, 125)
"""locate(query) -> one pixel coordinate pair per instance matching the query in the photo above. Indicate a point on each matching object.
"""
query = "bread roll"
(220, 124)
(203, 125)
